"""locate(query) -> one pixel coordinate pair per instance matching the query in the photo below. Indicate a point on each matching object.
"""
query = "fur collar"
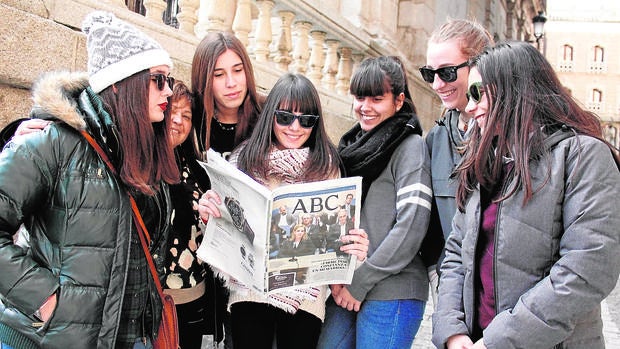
(55, 95)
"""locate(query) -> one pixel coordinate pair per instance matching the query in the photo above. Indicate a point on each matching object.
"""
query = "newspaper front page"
(288, 237)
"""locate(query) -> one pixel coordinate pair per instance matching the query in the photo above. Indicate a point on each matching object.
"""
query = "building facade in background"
(581, 42)
(324, 40)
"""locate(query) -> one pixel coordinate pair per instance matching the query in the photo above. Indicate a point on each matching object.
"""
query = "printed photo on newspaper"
(271, 240)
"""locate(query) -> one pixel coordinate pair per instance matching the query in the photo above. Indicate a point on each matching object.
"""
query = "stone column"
(242, 24)
(301, 50)
(331, 65)
(344, 71)
(117, 3)
(357, 59)
(154, 9)
(285, 43)
(317, 57)
(263, 30)
(187, 16)
(211, 17)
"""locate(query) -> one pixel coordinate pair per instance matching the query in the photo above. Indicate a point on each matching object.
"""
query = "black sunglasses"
(447, 74)
(286, 118)
(475, 91)
(160, 79)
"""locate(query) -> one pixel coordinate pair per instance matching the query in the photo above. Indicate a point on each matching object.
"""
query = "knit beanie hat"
(117, 50)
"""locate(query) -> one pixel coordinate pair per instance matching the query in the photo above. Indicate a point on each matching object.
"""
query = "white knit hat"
(117, 50)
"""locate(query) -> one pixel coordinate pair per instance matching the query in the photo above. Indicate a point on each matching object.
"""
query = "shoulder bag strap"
(143, 233)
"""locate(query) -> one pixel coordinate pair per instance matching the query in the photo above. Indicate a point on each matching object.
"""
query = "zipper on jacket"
(496, 235)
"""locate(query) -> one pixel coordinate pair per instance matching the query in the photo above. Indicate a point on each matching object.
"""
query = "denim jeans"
(139, 344)
(388, 324)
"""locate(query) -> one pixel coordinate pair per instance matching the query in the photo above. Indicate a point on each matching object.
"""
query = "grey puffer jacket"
(80, 224)
(556, 258)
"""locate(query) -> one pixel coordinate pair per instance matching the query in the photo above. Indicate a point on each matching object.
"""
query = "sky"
(590, 9)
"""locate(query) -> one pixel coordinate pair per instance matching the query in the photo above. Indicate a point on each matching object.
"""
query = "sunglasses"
(161, 79)
(285, 118)
(475, 91)
(447, 74)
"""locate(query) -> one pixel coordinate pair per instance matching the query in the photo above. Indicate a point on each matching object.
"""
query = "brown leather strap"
(143, 233)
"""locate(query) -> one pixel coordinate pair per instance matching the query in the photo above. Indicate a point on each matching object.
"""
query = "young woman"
(534, 249)
(84, 281)
(227, 104)
(384, 304)
(284, 149)
(449, 49)
(299, 244)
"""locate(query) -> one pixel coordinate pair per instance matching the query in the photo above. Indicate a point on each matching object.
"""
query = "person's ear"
(400, 100)
(114, 89)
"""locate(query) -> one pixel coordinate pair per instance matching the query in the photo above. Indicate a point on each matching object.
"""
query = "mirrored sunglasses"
(285, 118)
(475, 91)
(447, 74)
(160, 79)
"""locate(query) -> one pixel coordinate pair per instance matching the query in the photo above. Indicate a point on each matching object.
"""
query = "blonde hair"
(471, 35)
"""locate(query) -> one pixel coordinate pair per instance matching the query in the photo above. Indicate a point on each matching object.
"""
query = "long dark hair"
(291, 92)
(146, 156)
(527, 102)
(203, 66)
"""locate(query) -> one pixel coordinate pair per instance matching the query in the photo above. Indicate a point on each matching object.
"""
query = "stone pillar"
(317, 57)
(263, 30)
(357, 59)
(344, 71)
(331, 64)
(117, 3)
(242, 24)
(187, 16)
(285, 43)
(154, 9)
(301, 51)
(211, 17)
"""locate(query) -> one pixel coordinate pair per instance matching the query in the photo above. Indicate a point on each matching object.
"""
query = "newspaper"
(254, 241)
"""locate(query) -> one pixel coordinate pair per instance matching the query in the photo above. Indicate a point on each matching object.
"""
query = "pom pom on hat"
(117, 50)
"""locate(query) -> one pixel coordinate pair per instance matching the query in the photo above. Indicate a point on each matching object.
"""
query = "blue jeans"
(139, 344)
(386, 324)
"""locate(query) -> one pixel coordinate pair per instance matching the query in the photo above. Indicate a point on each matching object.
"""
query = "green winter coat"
(80, 223)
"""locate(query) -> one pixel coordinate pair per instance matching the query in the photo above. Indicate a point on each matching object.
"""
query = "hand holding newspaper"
(287, 237)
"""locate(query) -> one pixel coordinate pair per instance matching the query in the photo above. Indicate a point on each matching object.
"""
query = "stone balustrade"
(309, 37)
(285, 35)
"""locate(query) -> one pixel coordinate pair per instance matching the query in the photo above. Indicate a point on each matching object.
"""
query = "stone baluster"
(301, 51)
(285, 43)
(117, 3)
(154, 9)
(331, 64)
(357, 59)
(317, 56)
(242, 24)
(263, 30)
(211, 17)
(344, 71)
(187, 15)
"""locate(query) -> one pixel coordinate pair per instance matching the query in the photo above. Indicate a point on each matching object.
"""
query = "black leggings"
(255, 324)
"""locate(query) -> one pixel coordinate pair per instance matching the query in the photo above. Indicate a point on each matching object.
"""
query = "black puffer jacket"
(80, 224)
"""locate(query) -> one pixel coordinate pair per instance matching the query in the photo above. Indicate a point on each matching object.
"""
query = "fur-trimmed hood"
(55, 96)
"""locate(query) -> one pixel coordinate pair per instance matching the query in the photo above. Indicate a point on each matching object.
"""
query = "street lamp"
(539, 27)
